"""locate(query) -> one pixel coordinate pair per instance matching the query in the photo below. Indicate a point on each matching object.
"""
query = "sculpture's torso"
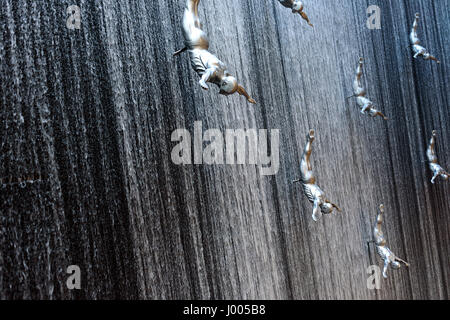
(436, 168)
(312, 191)
(201, 59)
(363, 101)
(385, 253)
(419, 49)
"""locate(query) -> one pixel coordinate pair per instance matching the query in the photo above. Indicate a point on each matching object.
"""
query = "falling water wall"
(86, 118)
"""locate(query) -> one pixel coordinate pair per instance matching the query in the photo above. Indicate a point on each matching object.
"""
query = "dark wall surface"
(87, 115)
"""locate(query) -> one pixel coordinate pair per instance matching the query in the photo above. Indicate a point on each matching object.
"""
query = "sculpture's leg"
(305, 165)
(431, 151)
(180, 51)
(414, 37)
(191, 22)
(197, 19)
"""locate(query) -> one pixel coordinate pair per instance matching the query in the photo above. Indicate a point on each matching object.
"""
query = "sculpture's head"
(297, 7)
(327, 207)
(229, 85)
(395, 265)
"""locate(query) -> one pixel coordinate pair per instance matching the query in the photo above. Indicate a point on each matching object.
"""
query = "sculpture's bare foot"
(252, 101)
(311, 135)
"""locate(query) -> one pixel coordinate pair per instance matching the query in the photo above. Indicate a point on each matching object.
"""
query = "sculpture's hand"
(203, 84)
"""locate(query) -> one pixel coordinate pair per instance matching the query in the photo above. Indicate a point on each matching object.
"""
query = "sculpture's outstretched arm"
(244, 93)
(386, 264)
(305, 17)
(435, 175)
(316, 210)
(206, 77)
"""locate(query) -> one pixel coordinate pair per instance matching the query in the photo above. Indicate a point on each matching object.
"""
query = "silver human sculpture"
(384, 252)
(297, 7)
(207, 65)
(312, 191)
(360, 94)
(417, 48)
(432, 158)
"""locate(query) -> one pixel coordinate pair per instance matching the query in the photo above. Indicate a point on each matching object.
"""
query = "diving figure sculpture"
(415, 42)
(297, 7)
(312, 191)
(433, 161)
(208, 66)
(383, 251)
(360, 94)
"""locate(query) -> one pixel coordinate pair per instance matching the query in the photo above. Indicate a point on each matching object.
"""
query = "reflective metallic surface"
(383, 251)
(417, 48)
(297, 7)
(432, 158)
(360, 94)
(311, 189)
(207, 65)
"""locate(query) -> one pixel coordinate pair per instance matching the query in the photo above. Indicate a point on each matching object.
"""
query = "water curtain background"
(88, 115)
